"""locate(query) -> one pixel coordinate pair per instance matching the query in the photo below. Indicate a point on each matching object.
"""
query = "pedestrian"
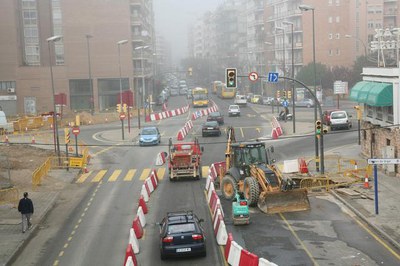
(25, 207)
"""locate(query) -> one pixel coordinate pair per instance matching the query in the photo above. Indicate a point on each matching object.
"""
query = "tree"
(323, 75)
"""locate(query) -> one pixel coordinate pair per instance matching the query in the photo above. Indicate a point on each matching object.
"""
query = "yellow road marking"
(298, 239)
(55, 263)
(99, 176)
(83, 177)
(241, 131)
(129, 175)
(114, 176)
(161, 173)
(145, 174)
(258, 129)
(378, 239)
(204, 171)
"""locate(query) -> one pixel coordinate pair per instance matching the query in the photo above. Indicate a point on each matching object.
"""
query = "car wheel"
(204, 254)
(163, 256)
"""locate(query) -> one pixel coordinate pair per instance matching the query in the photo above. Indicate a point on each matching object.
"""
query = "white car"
(234, 110)
(240, 100)
(340, 119)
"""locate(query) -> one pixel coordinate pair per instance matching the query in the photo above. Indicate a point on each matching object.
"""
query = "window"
(330, 36)
(330, 19)
(5, 85)
(330, 52)
(337, 2)
(31, 33)
(337, 36)
(330, 2)
(57, 30)
(337, 19)
(337, 51)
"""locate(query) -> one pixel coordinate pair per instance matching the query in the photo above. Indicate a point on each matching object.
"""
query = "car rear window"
(181, 228)
(338, 115)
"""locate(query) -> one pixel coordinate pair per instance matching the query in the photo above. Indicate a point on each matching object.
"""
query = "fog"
(172, 18)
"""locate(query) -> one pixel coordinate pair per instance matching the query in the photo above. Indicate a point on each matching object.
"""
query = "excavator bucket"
(284, 201)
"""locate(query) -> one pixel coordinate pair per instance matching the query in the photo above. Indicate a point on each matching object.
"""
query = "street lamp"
(54, 39)
(141, 48)
(308, 8)
(88, 36)
(122, 42)
(293, 89)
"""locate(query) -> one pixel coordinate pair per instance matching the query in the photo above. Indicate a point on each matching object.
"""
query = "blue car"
(149, 136)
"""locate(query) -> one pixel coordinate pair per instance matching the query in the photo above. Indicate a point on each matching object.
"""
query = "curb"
(364, 219)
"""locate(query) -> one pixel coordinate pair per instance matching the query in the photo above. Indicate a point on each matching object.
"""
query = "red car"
(216, 116)
(327, 116)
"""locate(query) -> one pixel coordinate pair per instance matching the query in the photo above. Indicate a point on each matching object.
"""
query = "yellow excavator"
(250, 168)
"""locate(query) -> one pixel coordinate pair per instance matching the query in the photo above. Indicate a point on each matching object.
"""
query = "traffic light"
(190, 71)
(231, 78)
(289, 94)
(284, 94)
(318, 127)
(125, 107)
(359, 112)
(119, 108)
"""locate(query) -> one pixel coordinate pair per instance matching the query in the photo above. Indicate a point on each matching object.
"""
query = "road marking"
(241, 131)
(145, 174)
(204, 171)
(129, 175)
(99, 176)
(298, 239)
(83, 177)
(378, 239)
(161, 173)
(114, 176)
(258, 129)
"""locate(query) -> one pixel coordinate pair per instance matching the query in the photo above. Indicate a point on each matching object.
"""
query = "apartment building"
(87, 63)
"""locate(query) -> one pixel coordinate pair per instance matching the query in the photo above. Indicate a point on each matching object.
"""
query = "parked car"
(181, 234)
(149, 136)
(326, 119)
(216, 116)
(234, 110)
(267, 100)
(340, 119)
(256, 99)
(249, 96)
(210, 128)
(304, 103)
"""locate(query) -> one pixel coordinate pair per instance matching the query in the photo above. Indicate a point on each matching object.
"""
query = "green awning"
(372, 93)
(380, 95)
(356, 88)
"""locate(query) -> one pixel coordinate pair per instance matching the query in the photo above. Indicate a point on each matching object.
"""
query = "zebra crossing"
(116, 175)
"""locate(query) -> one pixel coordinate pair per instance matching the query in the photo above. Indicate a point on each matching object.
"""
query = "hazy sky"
(172, 18)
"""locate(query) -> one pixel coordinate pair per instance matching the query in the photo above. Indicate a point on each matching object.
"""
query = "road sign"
(122, 116)
(384, 161)
(253, 76)
(76, 131)
(273, 76)
(285, 103)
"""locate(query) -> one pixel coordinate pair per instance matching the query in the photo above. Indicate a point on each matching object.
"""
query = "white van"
(5, 127)
(240, 100)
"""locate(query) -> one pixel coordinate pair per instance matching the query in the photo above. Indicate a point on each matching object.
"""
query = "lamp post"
(293, 89)
(54, 39)
(122, 42)
(88, 36)
(284, 58)
(308, 8)
(141, 48)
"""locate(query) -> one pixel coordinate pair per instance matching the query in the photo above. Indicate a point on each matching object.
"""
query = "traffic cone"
(33, 140)
(274, 134)
(303, 167)
(366, 182)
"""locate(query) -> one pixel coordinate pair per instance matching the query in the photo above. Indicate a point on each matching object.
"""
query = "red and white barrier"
(218, 210)
(142, 204)
(234, 254)
(161, 158)
(133, 241)
(209, 193)
(184, 130)
(204, 112)
(141, 216)
(265, 262)
(220, 230)
(144, 193)
(149, 184)
(228, 245)
(248, 259)
(168, 114)
(154, 174)
(130, 258)
(276, 128)
(137, 227)
(153, 179)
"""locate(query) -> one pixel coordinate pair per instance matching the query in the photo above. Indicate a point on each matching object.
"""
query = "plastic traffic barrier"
(234, 254)
(137, 227)
(265, 262)
(144, 193)
(133, 241)
(228, 245)
(129, 253)
(140, 214)
(221, 233)
(143, 205)
(248, 259)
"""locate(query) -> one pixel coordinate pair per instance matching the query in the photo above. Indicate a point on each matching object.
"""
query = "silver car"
(304, 103)
(340, 119)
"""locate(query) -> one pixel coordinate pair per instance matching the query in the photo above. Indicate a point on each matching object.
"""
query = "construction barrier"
(182, 133)
(129, 254)
(235, 252)
(143, 205)
(220, 231)
(204, 112)
(248, 258)
(129, 262)
(133, 241)
(149, 184)
(144, 193)
(265, 262)
(167, 114)
(140, 214)
(228, 245)
(154, 173)
(161, 158)
(137, 227)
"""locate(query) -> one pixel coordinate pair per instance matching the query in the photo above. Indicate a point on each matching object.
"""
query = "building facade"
(85, 65)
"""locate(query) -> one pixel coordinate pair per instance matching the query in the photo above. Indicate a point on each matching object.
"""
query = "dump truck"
(250, 168)
(184, 160)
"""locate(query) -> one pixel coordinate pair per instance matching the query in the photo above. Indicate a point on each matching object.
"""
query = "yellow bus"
(215, 86)
(224, 92)
(199, 97)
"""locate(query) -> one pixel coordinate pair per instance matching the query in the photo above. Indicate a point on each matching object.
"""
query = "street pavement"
(386, 223)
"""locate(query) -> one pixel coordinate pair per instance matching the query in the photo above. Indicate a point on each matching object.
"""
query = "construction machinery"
(240, 209)
(184, 160)
(250, 168)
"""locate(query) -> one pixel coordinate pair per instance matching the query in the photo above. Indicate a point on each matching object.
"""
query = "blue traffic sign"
(285, 103)
(273, 77)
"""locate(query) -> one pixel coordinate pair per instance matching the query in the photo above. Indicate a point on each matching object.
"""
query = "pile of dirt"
(17, 163)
